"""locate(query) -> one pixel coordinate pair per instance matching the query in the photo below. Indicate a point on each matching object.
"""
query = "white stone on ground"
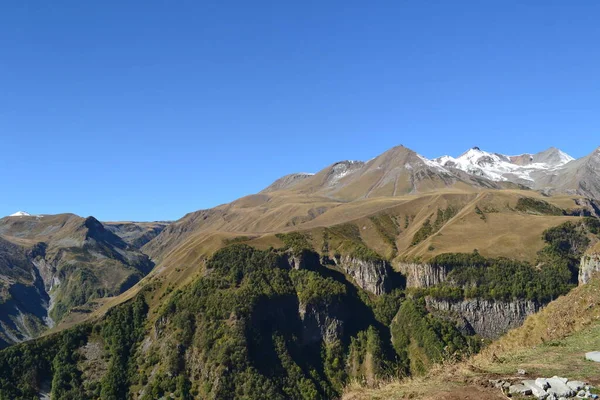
(519, 389)
(559, 387)
(536, 390)
(593, 356)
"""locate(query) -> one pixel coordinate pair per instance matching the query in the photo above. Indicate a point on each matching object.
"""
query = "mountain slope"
(523, 169)
(397, 172)
(136, 234)
(581, 176)
(393, 264)
(53, 264)
(401, 171)
(551, 342)
(284, 322)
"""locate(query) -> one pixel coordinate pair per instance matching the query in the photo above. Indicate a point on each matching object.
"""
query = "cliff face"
(423, 275)
(487, 318)
(321, 323)
(590, 263)
(373, 275)
(302, 260)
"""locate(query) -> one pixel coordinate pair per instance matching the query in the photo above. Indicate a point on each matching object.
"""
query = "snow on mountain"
(20, 214)
(498, 167)
(341, 169)
(433, 164)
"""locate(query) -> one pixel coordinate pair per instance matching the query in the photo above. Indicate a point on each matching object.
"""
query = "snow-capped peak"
(432, 164)
(20, 214)
(563, 157)
(481, 158)
(498, 167)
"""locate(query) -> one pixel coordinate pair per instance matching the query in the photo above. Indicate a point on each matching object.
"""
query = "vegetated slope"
(551, 342)
(386, 226)
(349, 189)
(491, 221)
(298, 320)
(56, 264)
(360, 219)
(278, 323)
(253, 326)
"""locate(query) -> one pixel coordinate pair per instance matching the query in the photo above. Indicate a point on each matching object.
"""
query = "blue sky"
(147, 110)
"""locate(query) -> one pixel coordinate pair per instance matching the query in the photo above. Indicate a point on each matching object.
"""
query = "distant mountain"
(521, 169)
(20, 214)
(136, 234)
(400, 171)
(52, 265)
(580, 176)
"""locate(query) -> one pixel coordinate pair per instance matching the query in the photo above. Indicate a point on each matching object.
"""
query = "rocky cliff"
(321, 323)
(423, 275)
(371, 275)
(304, 259)
(590, 263)
(487, 318)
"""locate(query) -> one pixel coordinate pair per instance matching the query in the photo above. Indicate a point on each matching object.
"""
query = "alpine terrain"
(356, 281)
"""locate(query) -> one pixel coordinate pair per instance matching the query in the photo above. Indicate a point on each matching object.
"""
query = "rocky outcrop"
(305, 259)
(371, 275)
(321, 323)
(423, 275)
(586, 208)
(590, 264)
(487, 318)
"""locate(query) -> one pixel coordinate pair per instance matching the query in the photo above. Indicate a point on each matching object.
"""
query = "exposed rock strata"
(487, 318)
(423, 275)
(371, 275)
(590, 264)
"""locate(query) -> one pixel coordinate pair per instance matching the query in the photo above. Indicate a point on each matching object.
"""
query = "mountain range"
(317, 280)
(401, 171)
(55, 265)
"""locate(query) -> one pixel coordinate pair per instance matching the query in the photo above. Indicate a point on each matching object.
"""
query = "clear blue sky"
(147, 110)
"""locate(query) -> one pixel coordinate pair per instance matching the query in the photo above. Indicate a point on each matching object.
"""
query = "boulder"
(558, 386)
(563, 380)
(519, 389)
(536, 390)
(593, 356)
